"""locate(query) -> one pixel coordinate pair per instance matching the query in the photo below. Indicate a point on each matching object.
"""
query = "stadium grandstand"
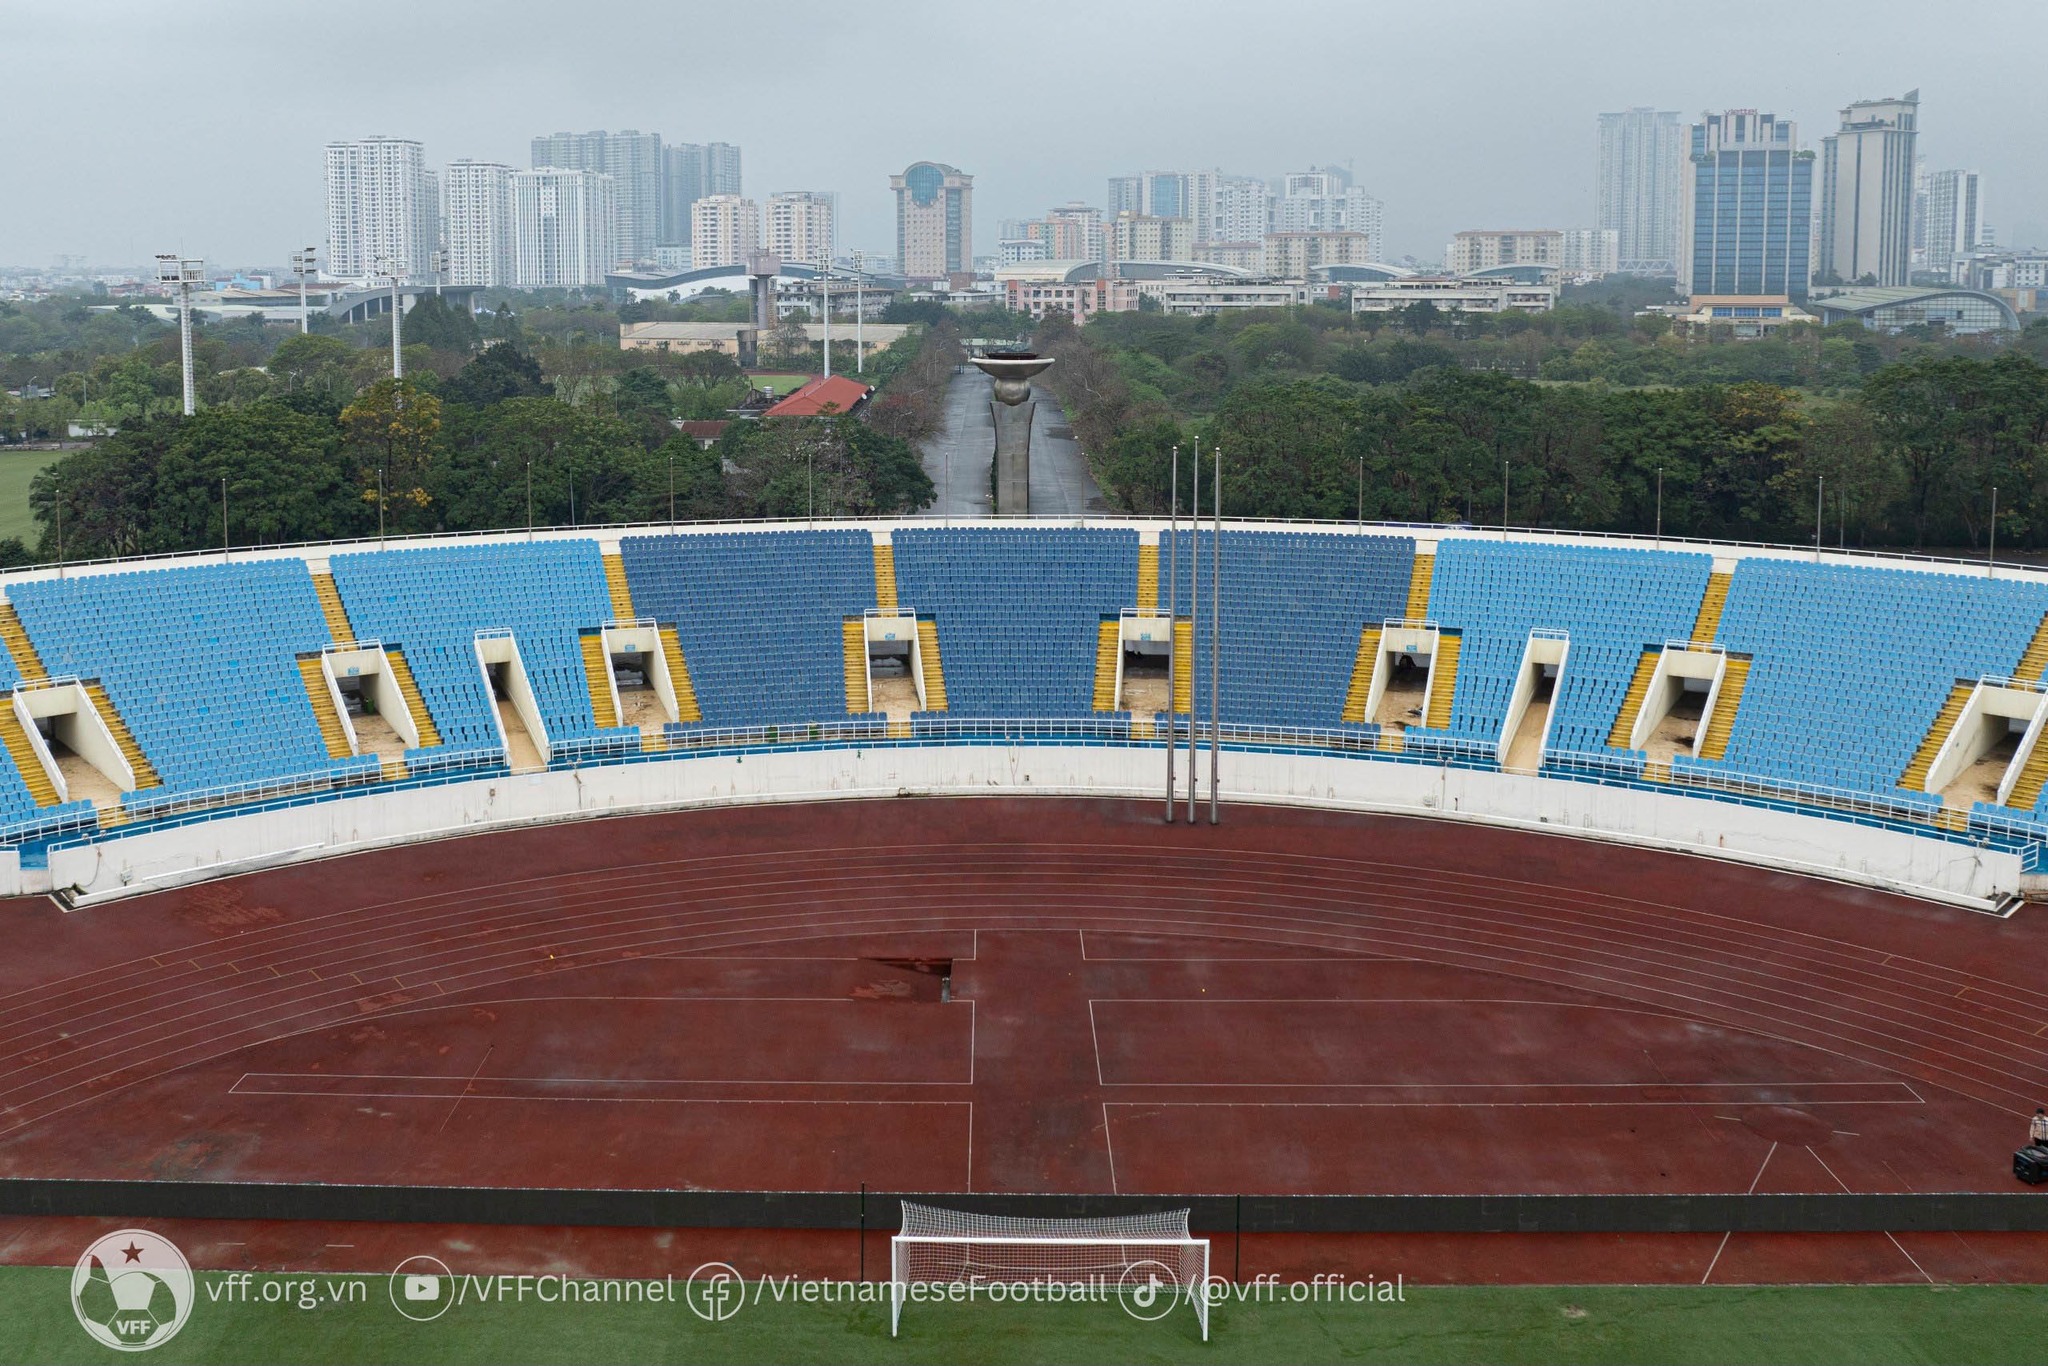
(1893, 706)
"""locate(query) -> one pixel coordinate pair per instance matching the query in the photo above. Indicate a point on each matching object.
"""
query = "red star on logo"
(132, 1252)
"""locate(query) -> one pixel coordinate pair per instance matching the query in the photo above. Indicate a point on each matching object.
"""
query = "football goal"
(1146, 1261)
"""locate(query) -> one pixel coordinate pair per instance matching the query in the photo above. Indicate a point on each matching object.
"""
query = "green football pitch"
(278, 1318)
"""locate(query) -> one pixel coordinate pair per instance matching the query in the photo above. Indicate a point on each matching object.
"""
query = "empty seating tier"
(679, 677)
(1848, 664)
(1443, 680)
(433, 602)
(1293, 605)
(1019, 611)
(1611, 603)
(197, 665)
(1148, 578)
(26, 762)
(1727, 708)
(759, 614)
(2033, 660)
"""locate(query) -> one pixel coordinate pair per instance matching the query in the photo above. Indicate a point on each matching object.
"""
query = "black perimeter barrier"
(1961, 1212)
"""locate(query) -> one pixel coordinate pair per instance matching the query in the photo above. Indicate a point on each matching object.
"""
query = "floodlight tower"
(183, 272)
(859, 350)
(440, 269)
(397, 274)
(302, 266)
(825, 285)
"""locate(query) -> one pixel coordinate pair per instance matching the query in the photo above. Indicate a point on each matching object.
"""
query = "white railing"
(938, 729)
(1422, 530)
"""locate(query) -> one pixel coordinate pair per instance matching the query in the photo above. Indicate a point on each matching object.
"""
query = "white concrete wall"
(152, 860)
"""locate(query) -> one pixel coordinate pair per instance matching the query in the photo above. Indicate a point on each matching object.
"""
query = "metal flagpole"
(1194, 615)
(1215, 621)
(1991, 552)
(1172, 589)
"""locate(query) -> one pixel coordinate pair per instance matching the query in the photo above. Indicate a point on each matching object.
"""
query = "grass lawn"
(1436, 1324)
(779, 382)
(16, 469)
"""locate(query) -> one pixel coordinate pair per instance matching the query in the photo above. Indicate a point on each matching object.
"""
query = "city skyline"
(1517, 148)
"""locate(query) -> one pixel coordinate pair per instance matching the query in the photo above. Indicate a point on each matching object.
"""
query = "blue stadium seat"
(1017, 611)
(433, 601)
(759, 616)
(1612, 602)
(1293, 605)
(1852, 663)
(198, 660)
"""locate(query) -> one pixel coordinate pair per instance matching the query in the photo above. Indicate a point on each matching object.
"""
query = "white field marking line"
(1760, 1168)
(1719, 1248)
(1095, 1042)
(1908, 1256)
(465, 1088)
(607, 1100)
(1467, 967)
(622, 1082)
(1334, 930)
(1450, 1104)
(970, 1143)
(1826, 1168)
(1109, 1145)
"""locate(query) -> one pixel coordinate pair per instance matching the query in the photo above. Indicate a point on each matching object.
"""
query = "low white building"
(1197, 298)
(1452, 295)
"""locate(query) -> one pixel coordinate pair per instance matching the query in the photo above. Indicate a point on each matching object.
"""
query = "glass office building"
(1748, 217)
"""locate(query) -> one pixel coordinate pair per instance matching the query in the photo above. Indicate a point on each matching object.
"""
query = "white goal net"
(1146, 1262)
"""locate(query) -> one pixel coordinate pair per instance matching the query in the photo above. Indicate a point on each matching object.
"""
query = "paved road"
(958, 458)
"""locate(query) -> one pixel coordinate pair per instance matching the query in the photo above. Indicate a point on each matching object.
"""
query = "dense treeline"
(317, 448)
(1898, 439)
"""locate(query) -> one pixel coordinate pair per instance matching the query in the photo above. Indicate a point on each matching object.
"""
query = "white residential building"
(382, 209)
(634, 162)
(1326, 201)
(476, 206)
(1955, 219)
(800, 226)
(1866, 193)
(1592, 251)
(1240, 211)
(566, 226)
(1487, 250)
(1642, 186)
(725, 229)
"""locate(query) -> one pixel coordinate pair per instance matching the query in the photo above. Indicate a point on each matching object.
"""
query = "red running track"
(1296, 1001)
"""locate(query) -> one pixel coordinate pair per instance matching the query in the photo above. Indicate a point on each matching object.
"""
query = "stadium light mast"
(397, 275)
(440, 269)
(181, 273)
(1172, 625)
(860, 351)
(1215, 623)
(1194, 617)
(302, 266)
(825, 293)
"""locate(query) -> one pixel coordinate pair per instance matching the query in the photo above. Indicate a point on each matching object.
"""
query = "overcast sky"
(129, 127)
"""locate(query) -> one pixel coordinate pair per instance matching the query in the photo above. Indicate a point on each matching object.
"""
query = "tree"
(392, 432)
(503, 371)
(284, 474)
(836, 466)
